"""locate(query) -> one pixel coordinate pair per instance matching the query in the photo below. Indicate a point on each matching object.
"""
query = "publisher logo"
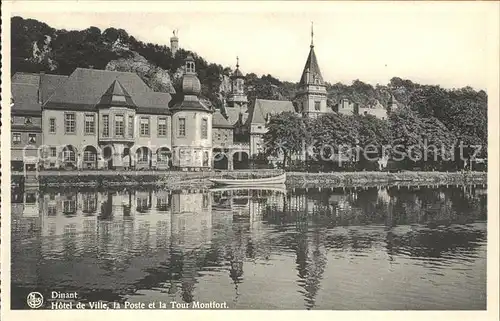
(34, 300)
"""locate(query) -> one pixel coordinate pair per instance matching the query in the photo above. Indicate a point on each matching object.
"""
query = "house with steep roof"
(260, 114)
(94, 119)
(29, 92)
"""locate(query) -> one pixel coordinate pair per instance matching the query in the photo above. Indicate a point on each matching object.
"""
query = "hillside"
(38, 47)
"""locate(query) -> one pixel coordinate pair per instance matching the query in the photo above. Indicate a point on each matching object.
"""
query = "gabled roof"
(311, 67)
(263, 107)
(84, 89)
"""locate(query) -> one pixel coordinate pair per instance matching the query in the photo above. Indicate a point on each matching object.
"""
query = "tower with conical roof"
(191, 125)
(311, 96)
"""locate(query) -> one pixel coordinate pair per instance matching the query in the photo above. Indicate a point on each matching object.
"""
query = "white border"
(248, 6)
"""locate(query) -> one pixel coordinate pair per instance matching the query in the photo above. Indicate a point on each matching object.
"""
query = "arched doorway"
(89, 157)
(164, 159)
(220, 159)
(107, 153)
(68, 155)
(240, 160)
(143, 156)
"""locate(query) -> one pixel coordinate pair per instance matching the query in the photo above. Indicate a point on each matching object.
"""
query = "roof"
(312, 67)
(263, 107)
(237, 73)
(84, 89)
(49, 83)
(114, 92)
(24, 90)
(218, 120)
(25, 78)
(191, 102)
(233, 114)
(25, 98)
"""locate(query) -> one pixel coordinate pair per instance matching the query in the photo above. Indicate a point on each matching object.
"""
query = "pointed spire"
(312, 34)
(237, 62)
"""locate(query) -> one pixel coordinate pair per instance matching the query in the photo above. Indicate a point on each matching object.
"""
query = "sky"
(447, 44)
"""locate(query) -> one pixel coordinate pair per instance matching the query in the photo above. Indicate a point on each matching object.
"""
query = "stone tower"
(191, 125)
(237, 97)
(174, 43)
(392, 104)
(311, 96)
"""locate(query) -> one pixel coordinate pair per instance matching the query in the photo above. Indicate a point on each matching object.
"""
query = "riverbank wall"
(311, 180)
(294, 179)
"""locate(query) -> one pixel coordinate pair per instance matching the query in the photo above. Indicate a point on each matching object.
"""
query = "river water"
(382, 248)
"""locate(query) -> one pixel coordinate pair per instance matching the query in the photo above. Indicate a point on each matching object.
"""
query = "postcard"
(249, 160)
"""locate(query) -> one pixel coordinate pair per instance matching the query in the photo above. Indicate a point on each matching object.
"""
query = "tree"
(285, 136)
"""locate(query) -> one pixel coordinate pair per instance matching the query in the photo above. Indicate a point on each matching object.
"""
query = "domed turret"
(190, 83)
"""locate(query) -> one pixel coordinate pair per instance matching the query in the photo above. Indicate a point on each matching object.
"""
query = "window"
(131, 126)
(119, 125)
(105, 125)
(144, 126)
(89, 124)
(162, 127)
(16, 138)
(204, 128)
(70, 123)
(69, 206)
(31, 138)
(143, 155)
(88, 156)
(317, 105)
(182, 127)
(28, 121)
(52, 125)
(53, 152)
(69, 155)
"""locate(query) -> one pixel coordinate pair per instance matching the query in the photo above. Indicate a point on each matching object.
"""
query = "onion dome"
(190, 83)
(191, 89)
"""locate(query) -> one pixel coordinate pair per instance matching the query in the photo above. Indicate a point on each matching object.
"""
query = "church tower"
(191, 125)
(311, 96)
(237, 97)
(174, 43)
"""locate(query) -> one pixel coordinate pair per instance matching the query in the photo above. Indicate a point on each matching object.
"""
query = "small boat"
(280, 179)
(266, 187)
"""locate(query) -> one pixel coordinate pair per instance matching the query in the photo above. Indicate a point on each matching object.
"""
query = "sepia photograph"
(330, 156)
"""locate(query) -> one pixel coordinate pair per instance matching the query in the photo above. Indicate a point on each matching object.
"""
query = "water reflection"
(358, 248)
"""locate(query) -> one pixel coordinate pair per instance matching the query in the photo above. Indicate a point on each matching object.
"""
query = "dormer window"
(118, 98)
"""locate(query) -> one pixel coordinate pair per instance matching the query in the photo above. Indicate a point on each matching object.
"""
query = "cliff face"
(155, 77)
